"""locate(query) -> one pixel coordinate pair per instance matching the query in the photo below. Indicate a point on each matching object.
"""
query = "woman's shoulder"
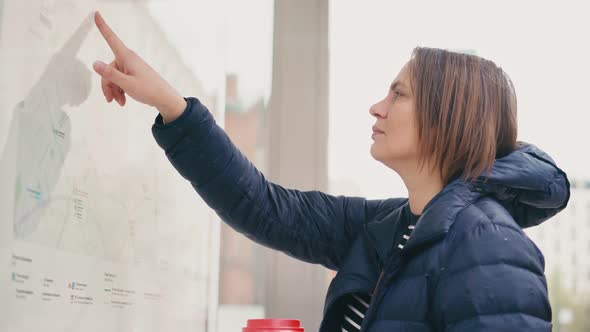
(484, 233)
(484, 212)
(486, 223)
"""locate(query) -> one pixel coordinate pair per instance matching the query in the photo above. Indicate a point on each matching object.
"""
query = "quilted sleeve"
(308, 225)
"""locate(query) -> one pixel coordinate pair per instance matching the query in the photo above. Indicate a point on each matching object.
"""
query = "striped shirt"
(356, 305)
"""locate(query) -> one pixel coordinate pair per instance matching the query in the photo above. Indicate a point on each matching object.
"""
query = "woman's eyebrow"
(397, 84)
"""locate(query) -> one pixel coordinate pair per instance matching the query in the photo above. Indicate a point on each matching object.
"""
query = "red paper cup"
(273, 325)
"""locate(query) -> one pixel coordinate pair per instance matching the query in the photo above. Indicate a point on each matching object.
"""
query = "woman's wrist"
(172, 108)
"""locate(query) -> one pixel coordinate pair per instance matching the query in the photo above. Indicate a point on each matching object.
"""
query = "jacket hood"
(528, 183)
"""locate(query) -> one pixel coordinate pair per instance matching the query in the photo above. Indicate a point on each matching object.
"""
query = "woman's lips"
(377, 131)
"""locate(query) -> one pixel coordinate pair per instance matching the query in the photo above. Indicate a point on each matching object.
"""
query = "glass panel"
(98, 232)
(242, 276)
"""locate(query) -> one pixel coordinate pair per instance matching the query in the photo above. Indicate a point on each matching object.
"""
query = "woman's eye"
(396, 94)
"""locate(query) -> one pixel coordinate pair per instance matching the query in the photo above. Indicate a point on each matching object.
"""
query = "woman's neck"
(422, 186)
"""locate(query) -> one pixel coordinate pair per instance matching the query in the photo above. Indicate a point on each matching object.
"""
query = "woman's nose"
(376, 111)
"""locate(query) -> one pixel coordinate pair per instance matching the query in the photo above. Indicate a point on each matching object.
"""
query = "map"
(97, 230)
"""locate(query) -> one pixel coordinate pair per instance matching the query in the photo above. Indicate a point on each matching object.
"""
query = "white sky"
(203, 30)
(543, 47)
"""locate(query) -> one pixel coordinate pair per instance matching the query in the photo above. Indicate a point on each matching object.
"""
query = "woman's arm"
(311, 226)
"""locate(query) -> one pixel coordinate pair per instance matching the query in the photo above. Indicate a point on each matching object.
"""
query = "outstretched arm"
(309, 225)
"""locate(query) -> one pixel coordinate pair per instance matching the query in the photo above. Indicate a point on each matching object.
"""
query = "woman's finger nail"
(99, 66)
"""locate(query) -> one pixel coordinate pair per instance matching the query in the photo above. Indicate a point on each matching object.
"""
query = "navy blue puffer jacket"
(468, 265)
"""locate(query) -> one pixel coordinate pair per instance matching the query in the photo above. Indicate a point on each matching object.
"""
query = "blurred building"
(564, 241)
(238, 281)
(285, 136)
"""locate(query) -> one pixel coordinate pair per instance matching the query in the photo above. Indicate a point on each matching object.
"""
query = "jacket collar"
(527, 182)
(436, 220)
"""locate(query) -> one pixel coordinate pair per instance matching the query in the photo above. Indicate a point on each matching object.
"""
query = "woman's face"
(395, 134)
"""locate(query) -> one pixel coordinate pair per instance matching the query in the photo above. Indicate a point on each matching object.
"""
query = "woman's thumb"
(110, 73)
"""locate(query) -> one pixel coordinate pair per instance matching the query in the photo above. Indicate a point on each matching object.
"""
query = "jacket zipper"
(372, 308)
(377, 284)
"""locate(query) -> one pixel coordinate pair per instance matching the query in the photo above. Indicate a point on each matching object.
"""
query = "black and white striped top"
(356, 305)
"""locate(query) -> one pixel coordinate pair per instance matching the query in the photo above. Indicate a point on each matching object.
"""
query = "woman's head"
(451, 112)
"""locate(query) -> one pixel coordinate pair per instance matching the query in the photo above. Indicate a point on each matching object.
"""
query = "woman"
(451, 257)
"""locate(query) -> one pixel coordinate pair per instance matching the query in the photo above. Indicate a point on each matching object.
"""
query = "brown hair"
(466, 111)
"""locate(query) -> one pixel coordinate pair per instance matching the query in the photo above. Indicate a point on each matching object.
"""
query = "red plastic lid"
(273, 325)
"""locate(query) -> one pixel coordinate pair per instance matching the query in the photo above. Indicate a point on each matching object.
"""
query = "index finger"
(114, 42)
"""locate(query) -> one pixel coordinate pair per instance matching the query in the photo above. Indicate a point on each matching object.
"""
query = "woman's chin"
(374, 152)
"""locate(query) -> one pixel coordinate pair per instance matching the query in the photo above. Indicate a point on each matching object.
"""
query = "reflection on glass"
(101, 232)
(41, 132)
